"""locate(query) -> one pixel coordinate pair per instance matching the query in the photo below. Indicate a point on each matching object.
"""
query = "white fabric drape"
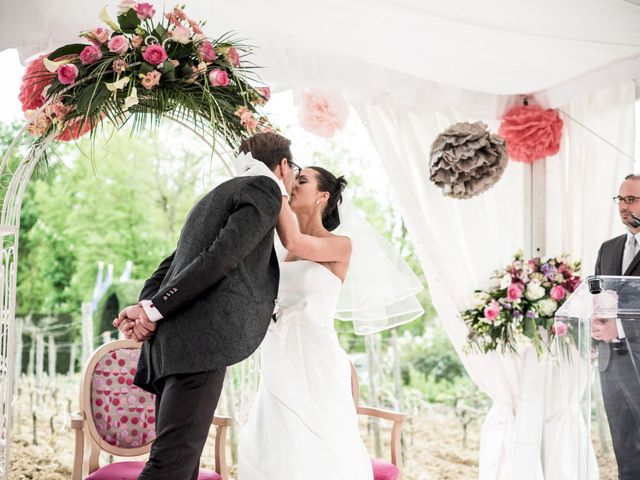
(411, 54)
(460, 243)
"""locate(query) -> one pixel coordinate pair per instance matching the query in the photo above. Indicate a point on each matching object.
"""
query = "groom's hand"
(143, 327)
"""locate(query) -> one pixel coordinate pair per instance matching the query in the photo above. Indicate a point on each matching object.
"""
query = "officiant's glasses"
(629, 200)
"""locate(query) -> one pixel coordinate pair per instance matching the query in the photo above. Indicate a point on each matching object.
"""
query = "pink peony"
(557, 293)
(119, 65)
(36, 78)
(67, 73)
(322, 112)
(218, 78)
(233, 57)
(144, 10)
(207, 51)
(531, 133)
(151, 79)
(492, 311)
(99, 35)
(559, 329)
(154, 54)
(118, 44)
(514, 292)
(90, 54)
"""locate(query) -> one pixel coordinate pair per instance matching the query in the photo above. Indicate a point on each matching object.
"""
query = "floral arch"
(132, 69)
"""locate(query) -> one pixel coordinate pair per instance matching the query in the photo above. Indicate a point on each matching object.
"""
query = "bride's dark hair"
(328, 182)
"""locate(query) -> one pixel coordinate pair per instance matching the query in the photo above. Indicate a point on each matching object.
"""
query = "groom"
(208, 305)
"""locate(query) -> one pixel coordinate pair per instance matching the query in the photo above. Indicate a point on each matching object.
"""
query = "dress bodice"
(311, 288)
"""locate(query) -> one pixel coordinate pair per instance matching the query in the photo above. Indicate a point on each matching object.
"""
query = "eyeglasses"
(629, 200)
(296, 168)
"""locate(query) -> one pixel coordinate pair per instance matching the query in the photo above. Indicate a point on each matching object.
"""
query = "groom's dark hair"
(270, 148)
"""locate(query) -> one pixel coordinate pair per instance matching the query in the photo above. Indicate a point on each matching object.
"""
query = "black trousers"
(621, 392)
(185, 405)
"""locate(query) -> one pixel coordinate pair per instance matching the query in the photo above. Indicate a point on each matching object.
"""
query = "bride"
(303, 424)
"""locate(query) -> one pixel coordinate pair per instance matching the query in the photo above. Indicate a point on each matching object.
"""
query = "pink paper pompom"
(531, 133)
(322, 112)
(36, 78)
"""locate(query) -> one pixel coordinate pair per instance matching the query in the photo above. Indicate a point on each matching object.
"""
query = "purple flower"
(548, 270)
(531, 314)
(516, 314)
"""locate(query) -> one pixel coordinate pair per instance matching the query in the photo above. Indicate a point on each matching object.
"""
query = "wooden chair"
(382, 470)
(119, 418)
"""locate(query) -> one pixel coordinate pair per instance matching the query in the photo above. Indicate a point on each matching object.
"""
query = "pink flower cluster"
(322, 112)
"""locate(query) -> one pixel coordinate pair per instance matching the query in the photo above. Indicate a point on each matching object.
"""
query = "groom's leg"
(183, 418)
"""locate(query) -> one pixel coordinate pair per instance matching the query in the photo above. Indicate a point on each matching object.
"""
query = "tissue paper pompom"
(531, 133)
(321, 112)
(466, 159)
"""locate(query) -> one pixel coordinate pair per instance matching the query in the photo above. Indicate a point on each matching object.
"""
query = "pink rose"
(99, 35)
(559, 329)
(154, 54)
(67, 73)
(118, 44)
(514, 292)
(492, 311)
(144, 10)
(557, 293)
(207, 52)
(125, 6)
(136, 41)
(180, 34)
(233, 57)
(218, 78)
(119, 65)
(90, 54)
(151, 79)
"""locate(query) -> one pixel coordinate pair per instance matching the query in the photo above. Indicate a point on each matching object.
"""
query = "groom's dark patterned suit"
(216, 295)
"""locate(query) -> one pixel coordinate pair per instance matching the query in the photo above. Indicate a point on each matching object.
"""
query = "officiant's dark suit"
(216, 295)
(619, 361)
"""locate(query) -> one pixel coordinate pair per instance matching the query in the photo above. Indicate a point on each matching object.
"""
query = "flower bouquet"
(521, 304)
(146, 69)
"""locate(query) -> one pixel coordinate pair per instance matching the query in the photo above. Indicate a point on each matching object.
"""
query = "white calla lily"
(53, 66)
(104, 17)
(131, 100)
(117, 85)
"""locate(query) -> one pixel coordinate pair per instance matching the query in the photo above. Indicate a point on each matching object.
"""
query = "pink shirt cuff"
(152, 312)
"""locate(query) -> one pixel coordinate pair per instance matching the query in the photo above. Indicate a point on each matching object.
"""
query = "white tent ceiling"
(412, 54)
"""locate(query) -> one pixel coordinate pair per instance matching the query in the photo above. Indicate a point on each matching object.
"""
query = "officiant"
(619, 338)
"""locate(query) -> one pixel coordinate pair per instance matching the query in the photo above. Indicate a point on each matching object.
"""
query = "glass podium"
(599, 377)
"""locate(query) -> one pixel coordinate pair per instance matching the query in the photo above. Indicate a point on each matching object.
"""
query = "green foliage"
(130, 205)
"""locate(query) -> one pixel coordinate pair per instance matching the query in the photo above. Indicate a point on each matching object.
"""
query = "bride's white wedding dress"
(303, 425)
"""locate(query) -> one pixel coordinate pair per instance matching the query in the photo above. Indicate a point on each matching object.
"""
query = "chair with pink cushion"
(382, 469)
(119, 418)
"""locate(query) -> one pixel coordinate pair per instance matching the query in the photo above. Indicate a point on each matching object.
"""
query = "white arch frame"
(9, 240)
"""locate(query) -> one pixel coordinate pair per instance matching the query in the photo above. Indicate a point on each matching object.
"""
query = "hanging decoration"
(466, 159)
(146, 69)
(531, 132)
(322, 112)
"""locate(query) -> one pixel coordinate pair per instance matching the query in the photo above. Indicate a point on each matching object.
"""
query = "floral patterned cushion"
(124, 414)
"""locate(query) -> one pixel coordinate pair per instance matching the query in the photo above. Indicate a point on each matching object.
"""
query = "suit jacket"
(609, 262)
(217, 290)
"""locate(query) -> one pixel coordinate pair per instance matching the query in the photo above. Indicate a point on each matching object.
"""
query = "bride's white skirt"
(303, 424)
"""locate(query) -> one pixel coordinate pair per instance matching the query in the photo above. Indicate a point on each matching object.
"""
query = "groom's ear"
(281, 168)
